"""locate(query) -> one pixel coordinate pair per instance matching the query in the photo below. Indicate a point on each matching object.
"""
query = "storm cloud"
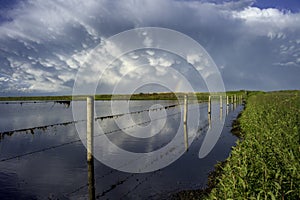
(44, 43)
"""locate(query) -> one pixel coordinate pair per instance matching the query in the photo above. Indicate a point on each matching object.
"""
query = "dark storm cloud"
(45, 42)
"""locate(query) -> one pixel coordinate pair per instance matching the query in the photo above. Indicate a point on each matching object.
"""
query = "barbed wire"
(74, 141)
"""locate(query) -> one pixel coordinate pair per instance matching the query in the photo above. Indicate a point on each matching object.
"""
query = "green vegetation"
(203, 96)
(265, 163)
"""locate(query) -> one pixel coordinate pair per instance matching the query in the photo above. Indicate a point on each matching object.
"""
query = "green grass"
(265, 163)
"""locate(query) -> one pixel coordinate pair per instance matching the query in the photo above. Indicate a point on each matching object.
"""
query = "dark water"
(44, 158)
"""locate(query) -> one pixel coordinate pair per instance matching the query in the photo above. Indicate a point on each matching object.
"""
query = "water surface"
(43, 157)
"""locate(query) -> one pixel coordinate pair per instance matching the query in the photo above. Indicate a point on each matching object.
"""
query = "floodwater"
(43, 156)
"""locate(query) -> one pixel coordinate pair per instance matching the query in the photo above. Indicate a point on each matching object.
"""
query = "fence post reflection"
(221, 107)
(227, 105)
(221, 114)
(185, 128)
(234, 102)
(209, 104)
(186, 139)
(209, 120)
(91, 180)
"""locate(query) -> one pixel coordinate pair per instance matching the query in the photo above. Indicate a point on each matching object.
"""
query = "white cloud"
(193, 58)
(270, 21)
(148, 41)
(163, 62)
(257, 14)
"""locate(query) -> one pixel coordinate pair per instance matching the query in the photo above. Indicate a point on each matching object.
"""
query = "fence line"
(74, 141)
(73, 122)
(38, 127)
(97, 118)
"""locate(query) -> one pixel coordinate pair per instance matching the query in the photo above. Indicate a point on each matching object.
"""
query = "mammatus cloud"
(44, 43)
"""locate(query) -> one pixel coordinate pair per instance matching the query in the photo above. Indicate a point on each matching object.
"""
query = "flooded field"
(42, 156)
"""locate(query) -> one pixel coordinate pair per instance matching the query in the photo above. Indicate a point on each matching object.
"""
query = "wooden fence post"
(234, 102)
(227, 100)
(221, 102)
(90, 127)
(185, 108)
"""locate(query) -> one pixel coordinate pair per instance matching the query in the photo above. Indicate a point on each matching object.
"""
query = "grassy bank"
(265, 163)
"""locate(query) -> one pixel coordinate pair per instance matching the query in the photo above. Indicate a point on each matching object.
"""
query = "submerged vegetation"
(265, 163)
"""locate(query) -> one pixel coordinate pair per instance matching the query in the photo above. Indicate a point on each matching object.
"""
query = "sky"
(43, 44)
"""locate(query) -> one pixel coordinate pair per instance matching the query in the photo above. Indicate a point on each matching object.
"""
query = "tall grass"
(265, 163)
